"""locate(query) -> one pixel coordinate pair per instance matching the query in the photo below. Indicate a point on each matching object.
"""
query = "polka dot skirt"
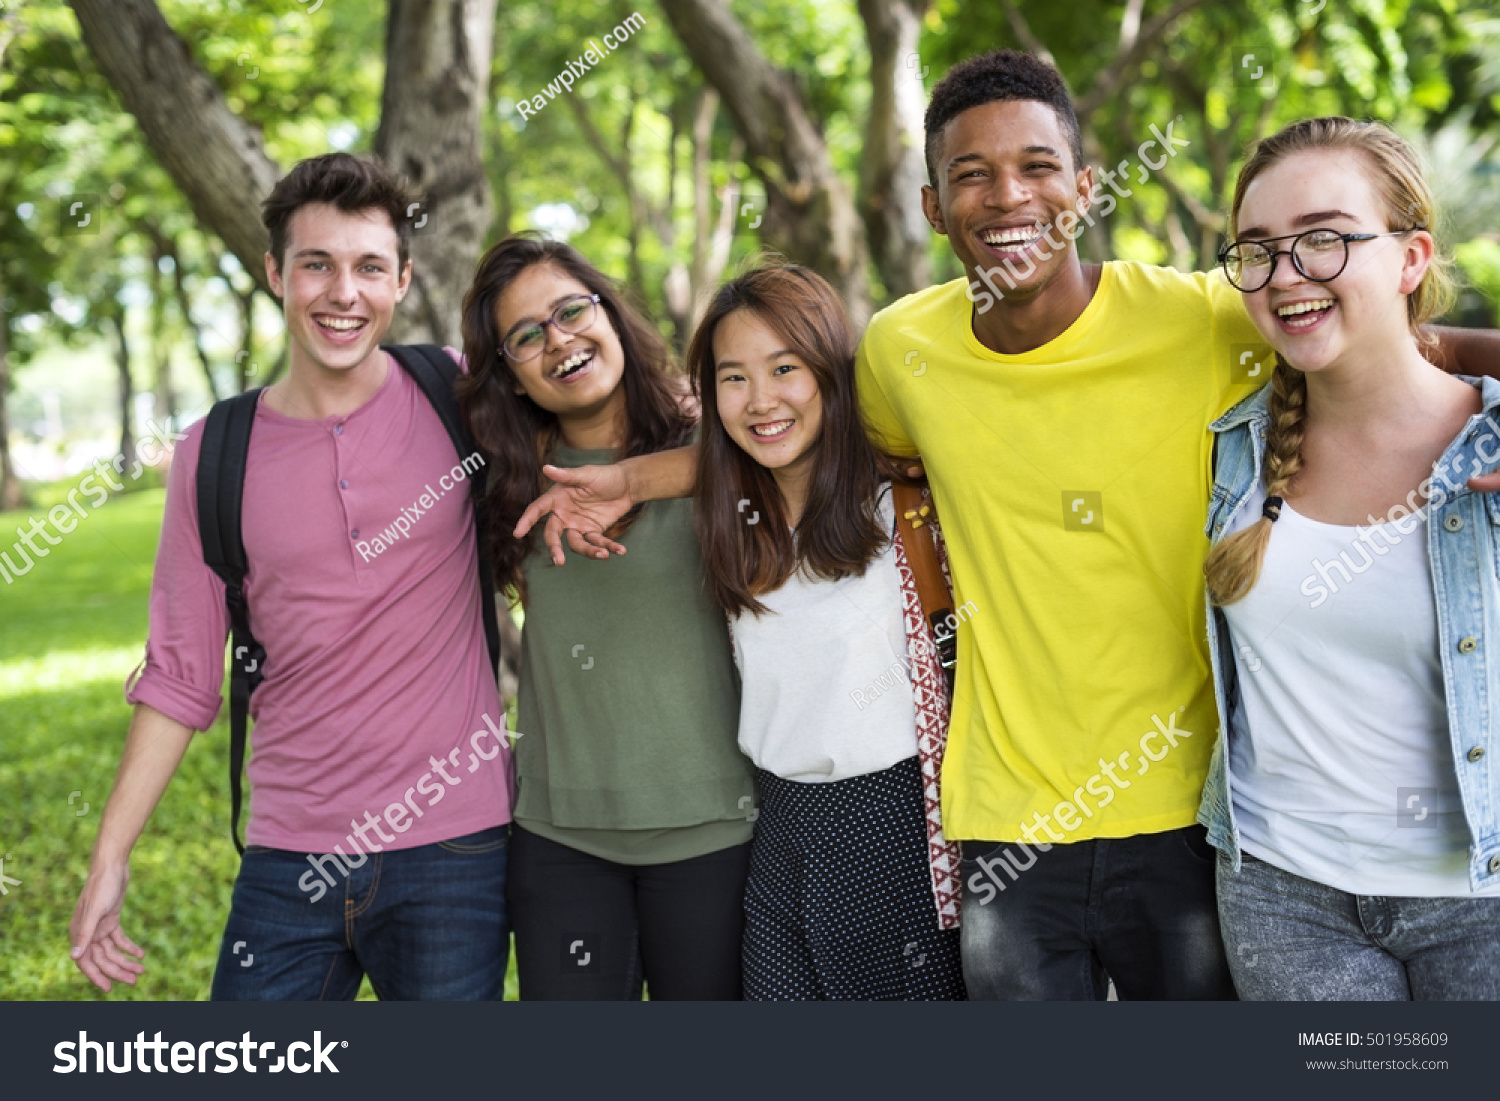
(839, 902)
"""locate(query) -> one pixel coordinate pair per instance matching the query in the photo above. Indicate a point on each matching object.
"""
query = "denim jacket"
(1463, 545)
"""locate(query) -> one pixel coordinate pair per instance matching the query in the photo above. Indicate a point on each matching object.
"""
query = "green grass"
(71, 631)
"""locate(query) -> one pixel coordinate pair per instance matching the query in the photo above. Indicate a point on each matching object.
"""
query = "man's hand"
(584, 502)
(98, 942)
(153, 749)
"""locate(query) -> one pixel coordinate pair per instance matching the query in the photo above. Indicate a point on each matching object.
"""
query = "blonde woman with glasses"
(1354, 597)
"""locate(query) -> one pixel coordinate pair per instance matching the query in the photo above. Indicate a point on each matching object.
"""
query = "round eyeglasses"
(1317, 254)
(573, 315)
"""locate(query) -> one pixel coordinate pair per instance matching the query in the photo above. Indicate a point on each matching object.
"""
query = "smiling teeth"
(577, 359)
(1294, 308)
(1018, 236)
(770, 429)
(341, 324)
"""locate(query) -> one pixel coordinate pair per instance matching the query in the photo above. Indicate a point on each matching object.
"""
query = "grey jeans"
(1290, 939)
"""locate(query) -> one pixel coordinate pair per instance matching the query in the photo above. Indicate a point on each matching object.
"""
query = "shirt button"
(1454, 522)
(343, 483)
(355, 533)
(1476, 753)
(338, 430)
(1468, 645)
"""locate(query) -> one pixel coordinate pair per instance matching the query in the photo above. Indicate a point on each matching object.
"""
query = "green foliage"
(1480, 261)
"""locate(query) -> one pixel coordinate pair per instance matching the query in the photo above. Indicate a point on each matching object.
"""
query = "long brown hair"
(838, 534)
(514, 432)
(1233, 566)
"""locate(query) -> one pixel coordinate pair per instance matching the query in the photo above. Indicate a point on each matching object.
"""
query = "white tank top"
(1340, 761)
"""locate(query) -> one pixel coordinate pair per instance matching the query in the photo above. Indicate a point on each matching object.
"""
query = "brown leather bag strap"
(915, 513)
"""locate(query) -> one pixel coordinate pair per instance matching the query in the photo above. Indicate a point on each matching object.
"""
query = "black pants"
(1057, 925)
(591, 930)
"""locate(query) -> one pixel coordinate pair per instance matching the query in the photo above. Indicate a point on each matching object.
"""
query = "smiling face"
(575, 374)
(1005, 175)
(1313, 324)
(339, 283)
(768, 397)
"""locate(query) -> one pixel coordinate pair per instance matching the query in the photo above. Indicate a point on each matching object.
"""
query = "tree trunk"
(11, 495)
(704, 110)
(894, 168)
(185, 307)
(810, 215)
(437, 70)
(127, 393)
(244, 359)
(215, 157)
(161, 344)
(436, 76)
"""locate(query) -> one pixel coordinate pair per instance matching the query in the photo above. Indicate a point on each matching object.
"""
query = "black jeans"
(1058, 925)
(589, 929)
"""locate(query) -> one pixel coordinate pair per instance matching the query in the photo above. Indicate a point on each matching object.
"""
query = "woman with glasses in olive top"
(634, 806)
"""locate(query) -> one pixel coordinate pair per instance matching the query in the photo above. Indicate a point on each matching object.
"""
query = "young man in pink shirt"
(380, 769)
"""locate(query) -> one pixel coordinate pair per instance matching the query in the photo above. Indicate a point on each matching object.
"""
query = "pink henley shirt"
(378, 699)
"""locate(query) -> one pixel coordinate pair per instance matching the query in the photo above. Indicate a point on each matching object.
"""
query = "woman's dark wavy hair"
(514, 432)
(838, 534)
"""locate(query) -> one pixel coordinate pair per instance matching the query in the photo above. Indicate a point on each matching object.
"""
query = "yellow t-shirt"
(1072, 482)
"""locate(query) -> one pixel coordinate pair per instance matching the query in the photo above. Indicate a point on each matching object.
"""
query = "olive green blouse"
(628, 705)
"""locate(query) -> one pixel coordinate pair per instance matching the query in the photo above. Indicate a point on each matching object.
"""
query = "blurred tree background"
(138, 136)
(712, 130)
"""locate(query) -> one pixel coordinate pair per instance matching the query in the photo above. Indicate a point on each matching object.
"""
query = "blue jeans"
(1058, 925)
(1291, 939)
(427, 924)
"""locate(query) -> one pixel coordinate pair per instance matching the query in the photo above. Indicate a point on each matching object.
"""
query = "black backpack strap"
(221, 488)
(434, 371)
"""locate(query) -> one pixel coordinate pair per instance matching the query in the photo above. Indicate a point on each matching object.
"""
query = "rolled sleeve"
(184, 666)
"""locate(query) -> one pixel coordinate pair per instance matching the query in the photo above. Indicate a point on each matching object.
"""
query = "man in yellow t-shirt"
(1061, 411)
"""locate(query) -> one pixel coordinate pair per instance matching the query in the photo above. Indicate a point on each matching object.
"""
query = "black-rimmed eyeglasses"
(573, 315)
(1317, 254)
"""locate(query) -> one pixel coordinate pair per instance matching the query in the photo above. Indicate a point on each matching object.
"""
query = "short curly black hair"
(998, 76)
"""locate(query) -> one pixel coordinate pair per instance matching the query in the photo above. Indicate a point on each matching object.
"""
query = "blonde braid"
(1233, 566)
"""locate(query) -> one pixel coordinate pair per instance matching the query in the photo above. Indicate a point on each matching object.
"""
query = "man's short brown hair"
(353, 184)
